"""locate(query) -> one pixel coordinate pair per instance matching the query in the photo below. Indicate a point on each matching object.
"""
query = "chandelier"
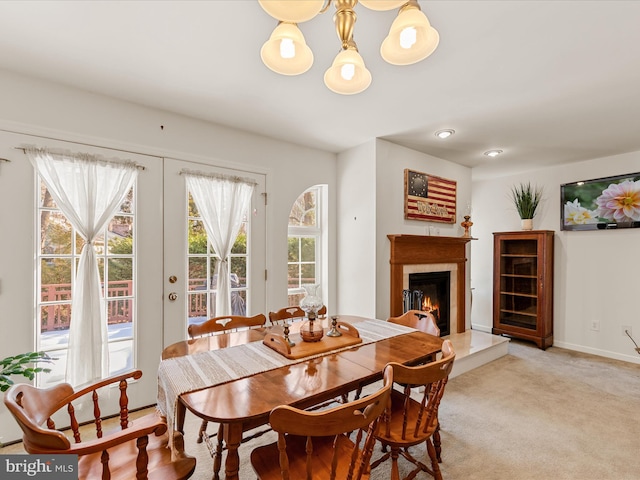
(411, 39)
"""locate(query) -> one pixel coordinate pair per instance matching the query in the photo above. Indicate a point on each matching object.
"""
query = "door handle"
(173, 296)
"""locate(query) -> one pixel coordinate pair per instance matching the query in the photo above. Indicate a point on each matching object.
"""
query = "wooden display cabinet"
(523, 285)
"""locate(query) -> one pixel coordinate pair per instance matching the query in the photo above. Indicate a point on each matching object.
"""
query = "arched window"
(306, 242)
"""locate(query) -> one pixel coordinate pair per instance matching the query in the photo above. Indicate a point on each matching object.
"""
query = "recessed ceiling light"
(493, 153)
(445, 133)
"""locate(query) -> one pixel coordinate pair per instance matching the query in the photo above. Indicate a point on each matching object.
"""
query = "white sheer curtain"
(221, 201)
(89, 192)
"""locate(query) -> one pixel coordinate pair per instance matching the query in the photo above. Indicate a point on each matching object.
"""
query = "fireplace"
(423, 254)
(429, 291)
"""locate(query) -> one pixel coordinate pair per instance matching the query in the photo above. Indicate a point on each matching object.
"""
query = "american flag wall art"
(429, 198)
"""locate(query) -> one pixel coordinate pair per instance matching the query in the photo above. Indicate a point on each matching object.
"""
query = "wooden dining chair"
(215, 326)
(334, 443)
(224, 324)
(412, 417)
(135, 448)
(293, 314)
(418, 319)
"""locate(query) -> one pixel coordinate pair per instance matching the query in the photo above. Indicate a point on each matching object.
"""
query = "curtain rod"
(24, 150)
(222, 176)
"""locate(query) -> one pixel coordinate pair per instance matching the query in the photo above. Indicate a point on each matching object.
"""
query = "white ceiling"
(546, 81)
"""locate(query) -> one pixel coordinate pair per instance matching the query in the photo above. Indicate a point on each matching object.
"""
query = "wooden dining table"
(245, 403)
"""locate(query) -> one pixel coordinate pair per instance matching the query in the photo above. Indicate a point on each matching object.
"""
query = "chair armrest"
(146, 425)
(133, 374)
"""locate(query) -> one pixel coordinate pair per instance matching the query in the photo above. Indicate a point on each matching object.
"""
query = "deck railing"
(56, 313)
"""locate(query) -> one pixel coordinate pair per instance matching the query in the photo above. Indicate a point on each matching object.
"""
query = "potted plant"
(526, 198)
(21, 364)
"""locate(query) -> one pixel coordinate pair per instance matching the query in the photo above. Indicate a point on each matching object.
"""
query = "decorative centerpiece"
(467, 224)
(311, 330)
(334, 332)
(526, 200)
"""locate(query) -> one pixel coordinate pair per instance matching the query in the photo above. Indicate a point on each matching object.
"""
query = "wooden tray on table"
(350, 336)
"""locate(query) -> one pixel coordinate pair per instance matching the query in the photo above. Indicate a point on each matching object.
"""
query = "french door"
(189, 280)
(41, 255)
(137, 276)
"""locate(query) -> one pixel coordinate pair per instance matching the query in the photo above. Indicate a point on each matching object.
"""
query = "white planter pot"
(527, 224)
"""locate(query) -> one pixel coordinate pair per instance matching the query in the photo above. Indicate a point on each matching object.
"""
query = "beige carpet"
(532, 414)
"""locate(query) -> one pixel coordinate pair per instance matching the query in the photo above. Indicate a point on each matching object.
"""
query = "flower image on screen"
(603, 203)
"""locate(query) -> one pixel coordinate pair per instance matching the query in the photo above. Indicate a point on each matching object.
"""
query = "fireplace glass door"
(430, 292)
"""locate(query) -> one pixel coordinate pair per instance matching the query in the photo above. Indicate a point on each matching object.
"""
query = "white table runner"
(190, 373)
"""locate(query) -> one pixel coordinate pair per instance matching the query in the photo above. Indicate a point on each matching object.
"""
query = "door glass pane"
(121, 353)
(120, 270)
(197, 308)
(119, 311)
(198, 273)
(58, 365)
(121, 235)
(55, 233)
(55, 273)
(54, 325)
(240, 245)
(238, 272)
(197, 237)
(45, 199)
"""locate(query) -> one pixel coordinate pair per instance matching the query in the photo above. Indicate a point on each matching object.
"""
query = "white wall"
(356, 242)
(371, 199)
(596, 272)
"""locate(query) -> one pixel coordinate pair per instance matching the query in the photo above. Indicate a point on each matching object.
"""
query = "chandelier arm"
(345, 19)
(408, 5)
(325, 7)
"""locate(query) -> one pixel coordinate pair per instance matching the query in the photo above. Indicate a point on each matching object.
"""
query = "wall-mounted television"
(601, 204)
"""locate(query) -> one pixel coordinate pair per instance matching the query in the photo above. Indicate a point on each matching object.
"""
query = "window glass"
(304, 243)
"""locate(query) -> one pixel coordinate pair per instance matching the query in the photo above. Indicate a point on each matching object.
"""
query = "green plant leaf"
(526, 199)
(22, 364)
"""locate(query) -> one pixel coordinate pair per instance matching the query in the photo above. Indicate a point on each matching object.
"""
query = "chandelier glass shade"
(286, 51)
(293, 11)
(347, 75)
(382, 5)
(411, 39)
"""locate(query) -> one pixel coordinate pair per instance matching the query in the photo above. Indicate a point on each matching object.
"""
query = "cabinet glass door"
(518, 283)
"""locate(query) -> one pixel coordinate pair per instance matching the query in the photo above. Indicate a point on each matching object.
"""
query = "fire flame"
(428, 306)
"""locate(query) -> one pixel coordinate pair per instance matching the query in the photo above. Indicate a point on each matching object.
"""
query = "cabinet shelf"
(523, 285)
(516, 294)
(520, 312)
